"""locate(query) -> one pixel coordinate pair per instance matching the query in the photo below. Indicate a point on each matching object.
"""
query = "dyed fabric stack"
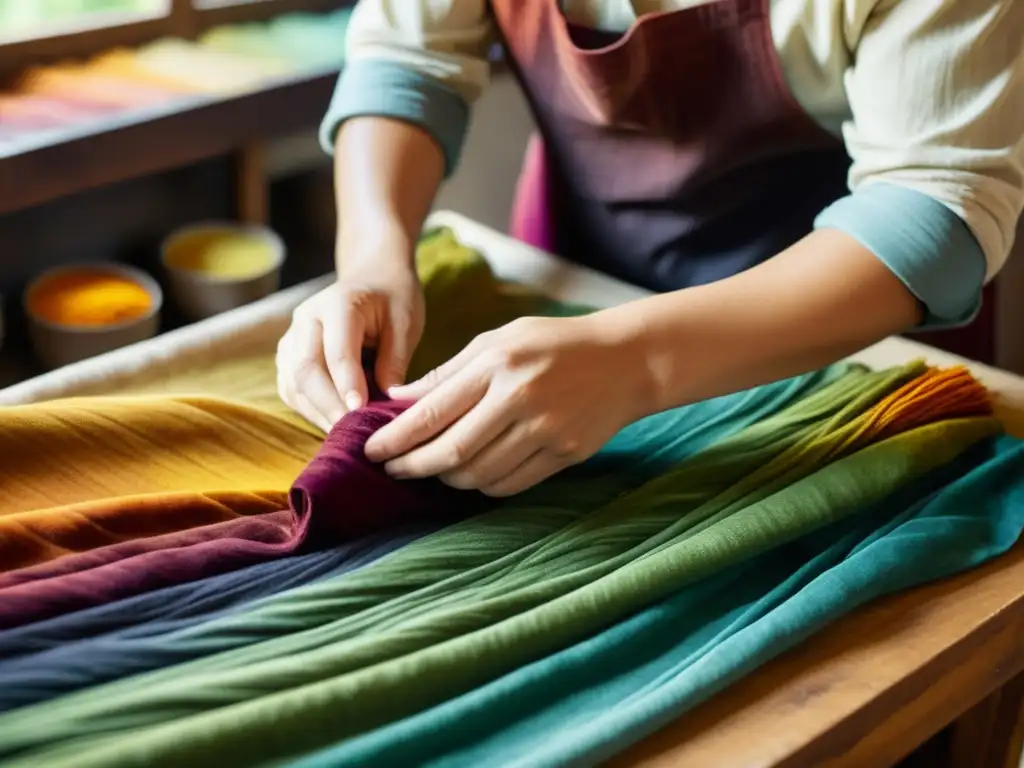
(224, 61)
(162, 603)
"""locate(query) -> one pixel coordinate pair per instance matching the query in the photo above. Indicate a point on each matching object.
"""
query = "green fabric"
(593, 699)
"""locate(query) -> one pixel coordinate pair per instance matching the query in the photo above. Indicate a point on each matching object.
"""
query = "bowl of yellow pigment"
(82, 311)
(215, 267)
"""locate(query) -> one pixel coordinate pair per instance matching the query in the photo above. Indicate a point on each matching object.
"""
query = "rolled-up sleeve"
(936, 93)
(421, 61)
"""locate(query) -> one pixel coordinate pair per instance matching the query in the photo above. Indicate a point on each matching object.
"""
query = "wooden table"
(877, 684)
(865, 692)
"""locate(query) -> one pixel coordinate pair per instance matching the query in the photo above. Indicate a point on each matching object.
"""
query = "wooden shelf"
(52, 165)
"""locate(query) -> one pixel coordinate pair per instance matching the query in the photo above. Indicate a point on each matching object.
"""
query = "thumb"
(394, 352)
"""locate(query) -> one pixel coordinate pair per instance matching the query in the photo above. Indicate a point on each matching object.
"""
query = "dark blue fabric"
(52, 657)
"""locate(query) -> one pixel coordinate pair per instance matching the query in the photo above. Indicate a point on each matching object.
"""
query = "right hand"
(319, 359)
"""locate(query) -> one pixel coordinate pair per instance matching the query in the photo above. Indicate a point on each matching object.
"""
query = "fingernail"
(353, 401)
(393, 471)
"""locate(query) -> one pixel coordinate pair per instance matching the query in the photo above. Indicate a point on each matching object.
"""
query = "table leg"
(991, 733)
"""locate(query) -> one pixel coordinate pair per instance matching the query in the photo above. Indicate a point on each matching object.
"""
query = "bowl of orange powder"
(215, 267)
(85, 310)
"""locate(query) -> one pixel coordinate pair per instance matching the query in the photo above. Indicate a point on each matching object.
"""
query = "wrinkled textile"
(343, 495)
(584, 704)
(122, 646)
(164, 612)
(453, 634)
(339, 496)
(693, 547)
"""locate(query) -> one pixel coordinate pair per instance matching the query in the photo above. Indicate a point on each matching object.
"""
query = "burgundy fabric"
(340, 496)
(266, 528)
(674, 155)
(343, 495)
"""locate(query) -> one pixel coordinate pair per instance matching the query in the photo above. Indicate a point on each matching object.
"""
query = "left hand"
(517, 405)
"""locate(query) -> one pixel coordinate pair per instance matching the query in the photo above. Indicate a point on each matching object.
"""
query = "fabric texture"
(584, 704)
(694, 546)
(688, 523)
(338, 497)
(104, 643)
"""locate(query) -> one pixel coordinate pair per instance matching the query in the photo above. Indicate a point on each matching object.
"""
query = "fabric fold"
(344, 679)
(339, 496)
(585, 704)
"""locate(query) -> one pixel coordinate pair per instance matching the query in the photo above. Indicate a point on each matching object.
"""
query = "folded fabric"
(149, 639)
(340, 679)
(344, 495)
(258, 517)
(586, 703)
(268, 521)
(339, 496)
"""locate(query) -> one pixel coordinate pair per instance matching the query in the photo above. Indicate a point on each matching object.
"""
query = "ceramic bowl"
(57, 344)
(199, 294)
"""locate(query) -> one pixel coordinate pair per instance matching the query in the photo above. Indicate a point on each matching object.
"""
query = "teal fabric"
(927, 246)
(590, 701)
(381, 88)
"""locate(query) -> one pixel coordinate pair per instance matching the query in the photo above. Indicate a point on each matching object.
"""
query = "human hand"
(319, 359)
(517, 405)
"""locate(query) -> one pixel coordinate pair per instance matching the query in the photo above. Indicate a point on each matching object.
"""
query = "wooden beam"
(991, 733)
(252, 192)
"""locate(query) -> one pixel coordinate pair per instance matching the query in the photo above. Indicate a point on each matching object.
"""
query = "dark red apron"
(673, 155)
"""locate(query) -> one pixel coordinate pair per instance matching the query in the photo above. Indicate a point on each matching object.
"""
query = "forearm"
(387, 173)
(814, 304)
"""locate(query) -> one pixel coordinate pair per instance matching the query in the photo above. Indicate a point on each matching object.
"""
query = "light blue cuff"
(923, 242)
(387, 89)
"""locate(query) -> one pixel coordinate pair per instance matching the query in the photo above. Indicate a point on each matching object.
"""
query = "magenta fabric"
(532, 212)
(339, 497)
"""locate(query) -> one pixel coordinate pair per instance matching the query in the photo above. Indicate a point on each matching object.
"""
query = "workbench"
(865, 692)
